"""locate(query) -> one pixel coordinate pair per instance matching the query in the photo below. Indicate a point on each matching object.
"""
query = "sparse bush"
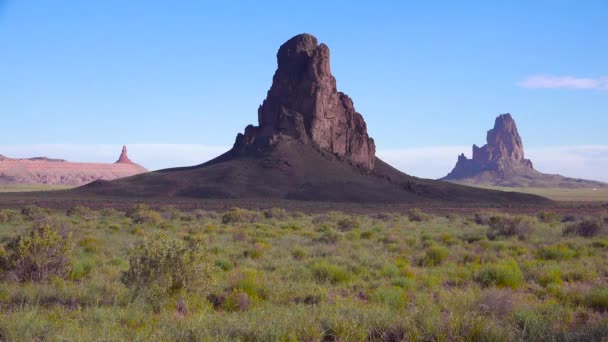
(276, 213)
(417, 215)
(91, 245)
(224, 264)
(555, 252)
(548, 216)
(348, 223)
(109, 212)
(298, 253)
(141, 213)
(39, 255)
(236, 301)
(324, 271)
(502, 225)
(483, 218)
(8, 216)
(503, 274)
(80, 211)
(597, 299)
(550, 276)
(585, 228)
(238, 215)
(434, 256)
(165, 266)
(250, 282)
(392, 296)
(170, 213)
(366, 235)
(34, 212)
(328, 236)
(81, 269)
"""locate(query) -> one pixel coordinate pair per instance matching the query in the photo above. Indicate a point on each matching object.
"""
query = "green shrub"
(165, 266)
(141, 213)
(224, 264)
(600, 243)
(435, 256)
(238, 215)
(39, 255)
(324, 271)
(249, 282)
(417, 215)
(34, 212)
(109, 212)
(503, 274)
(81, 269)
(405, 283)
(555, 252)
(550, 276)
(91, 245)
(298, 253)
(392, 296)
(366, 235)
(597, 299)
(8, 216)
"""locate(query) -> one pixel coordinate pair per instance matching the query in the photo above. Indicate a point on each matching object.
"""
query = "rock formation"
(124, 159)
(304, 104)
(501, 162)
(42, 170)
(310, 145)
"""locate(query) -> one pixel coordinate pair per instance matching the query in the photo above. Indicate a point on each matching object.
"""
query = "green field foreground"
(273, 275)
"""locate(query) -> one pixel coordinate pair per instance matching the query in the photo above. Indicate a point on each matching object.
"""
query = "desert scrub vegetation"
(271, 275)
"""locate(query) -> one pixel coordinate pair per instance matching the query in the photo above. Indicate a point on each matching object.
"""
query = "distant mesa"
(310, 144)
(501, 162)
(43, 170)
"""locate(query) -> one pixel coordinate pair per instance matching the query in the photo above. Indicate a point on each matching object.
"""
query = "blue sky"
(427, 76)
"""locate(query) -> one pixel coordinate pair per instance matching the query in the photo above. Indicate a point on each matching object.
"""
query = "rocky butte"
(501, 162)
(309, 144)
(304, 104)
(42, 170)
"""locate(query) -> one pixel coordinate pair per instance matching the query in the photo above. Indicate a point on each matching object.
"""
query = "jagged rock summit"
(304, 104)
(43, 170)
(501, 162)
(309, 144)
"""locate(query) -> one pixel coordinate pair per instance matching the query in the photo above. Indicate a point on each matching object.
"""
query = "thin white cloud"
(566, 82)
(582, 161)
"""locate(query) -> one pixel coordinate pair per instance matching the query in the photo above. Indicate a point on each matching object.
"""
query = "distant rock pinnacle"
(503, 143)
(124, 159)
(503, 154)
(304, 104)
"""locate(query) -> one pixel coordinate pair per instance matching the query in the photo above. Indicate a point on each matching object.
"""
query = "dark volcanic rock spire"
(304, 104)
(503, 153)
